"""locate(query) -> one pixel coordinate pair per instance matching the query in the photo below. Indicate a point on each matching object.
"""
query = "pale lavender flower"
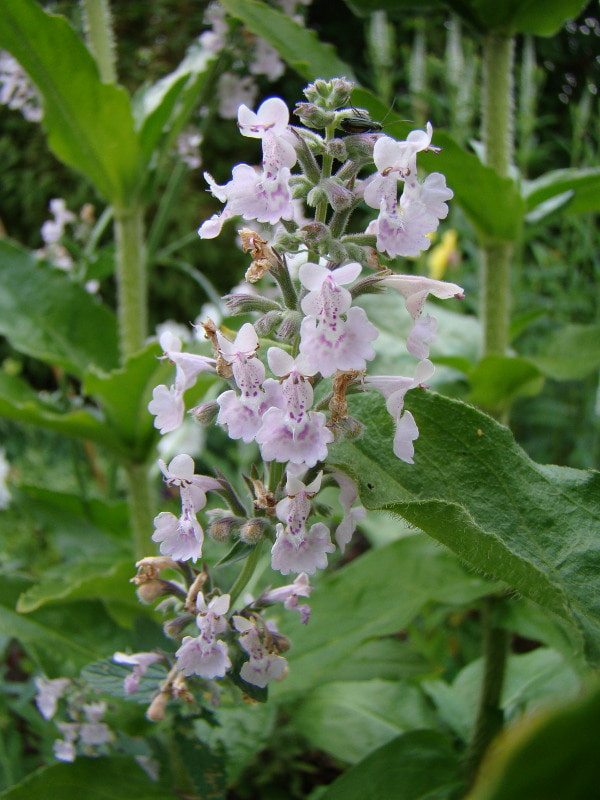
(415, 289)
(64, 749)
(289, 594)
(304, 552)
(266, 61)
(263, 666)
(233, 91)
(205, 655)
(423, 333)
(140, 663)
(16, 90)
(188, 365)
(188, 148)
(352, 515)
(48, 694)
(168, 408)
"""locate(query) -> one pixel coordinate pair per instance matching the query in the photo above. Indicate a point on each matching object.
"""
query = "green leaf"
(161, 109)
(492, 203)
(112, 778)
(108, 677)
(510, 17)
(551, 755)
(124, 395)
(19, 402)
(497, 380)
(415, 571)
(572, 353)
(45, 314)
(89, 123)
(473, 489)
(350, 719)
(532, 680)
(298, 47)
(583, 186)
(419, 765)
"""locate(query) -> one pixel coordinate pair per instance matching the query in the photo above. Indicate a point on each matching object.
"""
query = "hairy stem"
(498, 139)
(131, 279)
(140, 507)
(99, 37)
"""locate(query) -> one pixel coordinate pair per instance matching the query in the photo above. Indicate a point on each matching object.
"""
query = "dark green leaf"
(473, 489)
(90, 778)
(89, 123)
(45, 314)
(419, 765)
(205, 767)
(516, 16)
(551, 755)
(298, 47)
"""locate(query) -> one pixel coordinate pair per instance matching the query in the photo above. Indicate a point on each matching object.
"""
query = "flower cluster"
(84, 732)
(288, 375)
(16, 90)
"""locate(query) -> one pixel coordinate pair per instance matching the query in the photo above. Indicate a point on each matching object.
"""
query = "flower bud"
(242, 303)
(220, 529)
(266, 324)
(337, 149)
(315, 232)
(316, 196)
(206, 413)
(156, 709)
(312, 116)
(173, 627)
(339, 196)
(290, 326)
(360, 145)
(251, 532)
(152, 590)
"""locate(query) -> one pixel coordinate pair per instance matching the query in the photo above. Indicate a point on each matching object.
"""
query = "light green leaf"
(89, 123)
(124, 395)
(298, 47)
(572, 353)
(498, 380)
(549, 755)
(112, 778)
(420, 765)
(582, 184)
(473, 489)
(415, 573)
(108, 677)
(350, 719)
(532, 680)
(45, 314)
(492, 203)
(19, 402)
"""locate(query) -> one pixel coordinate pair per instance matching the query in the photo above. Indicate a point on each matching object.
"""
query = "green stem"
(245, 575)
(165, 207)
(326, 167)
(489, 715)
(99, 36)
(131, 279)
(140, 508)
(498, 140)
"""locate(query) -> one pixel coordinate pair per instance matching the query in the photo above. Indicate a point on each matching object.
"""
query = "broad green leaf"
(548, 755)
(45, 314)
(420, 765)
(89, 123)
(473, 489)
(19, 402)
(124, 395)
(497, 380)
(350, 719)
(162, 109)
(415, 573)
(572, 353)
(493, 204)
(112, 778)
(532, 680)
(108, 677)
(104, 578)
(510, 17)
(386, 658)
(582, 184)
(298, 47)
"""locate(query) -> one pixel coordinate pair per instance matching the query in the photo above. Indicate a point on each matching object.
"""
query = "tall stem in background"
(498, 140)
(99, 37)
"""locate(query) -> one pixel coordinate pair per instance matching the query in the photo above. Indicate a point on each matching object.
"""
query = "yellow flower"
(443, 254)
